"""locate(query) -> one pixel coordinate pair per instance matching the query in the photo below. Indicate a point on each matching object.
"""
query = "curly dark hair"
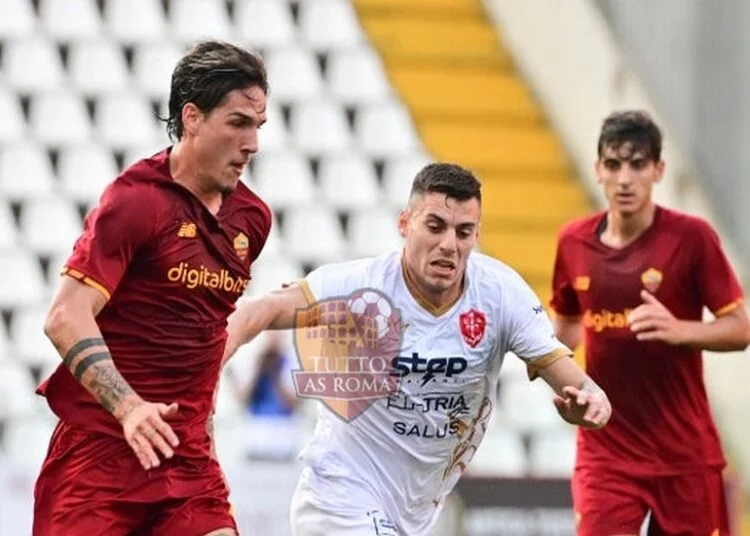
(634, 127)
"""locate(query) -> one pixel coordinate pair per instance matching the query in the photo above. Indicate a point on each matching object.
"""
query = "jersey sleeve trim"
(728, 308)
(305, 288)
(539, 363)
(83, 278)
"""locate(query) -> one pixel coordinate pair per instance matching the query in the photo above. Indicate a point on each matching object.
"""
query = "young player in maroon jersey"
(634, 280)
(140, 318)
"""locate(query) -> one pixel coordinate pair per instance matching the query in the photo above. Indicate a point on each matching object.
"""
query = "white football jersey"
(406, 452)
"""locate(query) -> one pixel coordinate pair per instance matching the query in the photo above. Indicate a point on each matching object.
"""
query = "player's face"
(439, 233)
(226, 138)
(628, 177)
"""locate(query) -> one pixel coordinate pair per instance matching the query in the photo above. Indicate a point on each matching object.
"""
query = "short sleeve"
(531, 335)
(112, 234)
(717, 282)
(333, 281)
(564, 299)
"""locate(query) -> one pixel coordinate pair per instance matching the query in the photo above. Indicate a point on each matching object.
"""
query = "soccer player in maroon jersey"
(633, 280)
(140, 317)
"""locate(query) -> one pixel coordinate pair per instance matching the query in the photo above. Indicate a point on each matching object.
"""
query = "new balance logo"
(187, 230)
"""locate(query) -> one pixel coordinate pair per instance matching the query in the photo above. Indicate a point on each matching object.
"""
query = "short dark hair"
(449, 179)
(204, 76)
(634, 127)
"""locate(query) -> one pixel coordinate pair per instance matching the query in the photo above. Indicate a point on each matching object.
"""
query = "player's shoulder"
(244, 198)
(141, 178)
(581, 227)
(485, 270)
(683, 222)
(363, 266)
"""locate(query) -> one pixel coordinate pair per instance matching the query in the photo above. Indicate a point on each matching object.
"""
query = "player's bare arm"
(653, 321)
(72, 328)
(274, 310)
(579, 400)
(569, 330)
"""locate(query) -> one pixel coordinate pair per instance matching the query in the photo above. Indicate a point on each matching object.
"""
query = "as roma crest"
(651, 279)
(473, 324)
(346, 347)
(241, 245)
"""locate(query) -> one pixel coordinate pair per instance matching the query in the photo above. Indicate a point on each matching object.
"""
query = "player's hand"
(652, 321)
(582, 407)
(147, 432)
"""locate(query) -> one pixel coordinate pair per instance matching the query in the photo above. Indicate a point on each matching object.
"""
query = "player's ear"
(660, 166)
(597, 169)
(403, 222)
(191, 118)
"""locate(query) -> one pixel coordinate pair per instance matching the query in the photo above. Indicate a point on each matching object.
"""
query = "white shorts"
(309, 519)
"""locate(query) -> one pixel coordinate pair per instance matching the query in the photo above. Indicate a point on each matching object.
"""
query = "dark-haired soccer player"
(140, 318)
(634, 279)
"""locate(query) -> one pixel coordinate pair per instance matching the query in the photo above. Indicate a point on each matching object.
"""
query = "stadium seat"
(284, 180)
(32, 346)
(320, 128)
(356, 76)
(329, 24)
(7, 348)
(85, 171)
(273, 136)
(13, 125)
(135, 21)
(501, 454)
(293, 74)
(552, 453)
(17, 398)
(273, 245)
(97, 66)
(265, 24)
(17, 20)
(513, 369)
(270, 272)
(374, 232)
(125, 120)
(70, 20)
(528, 406)
(25, 171)
(192, 20)
(27, 441)
(49, 225)
(152, 67)
(313, 235)
(8, 231)
(398, 176)
(59, 118)
(385, 129)
(348, 182)
(39, 52)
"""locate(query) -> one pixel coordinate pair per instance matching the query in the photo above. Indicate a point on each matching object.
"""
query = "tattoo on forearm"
(79, 347)
(107, 384)
(88, 361)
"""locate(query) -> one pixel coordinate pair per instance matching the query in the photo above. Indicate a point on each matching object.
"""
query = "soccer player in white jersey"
(385, 468)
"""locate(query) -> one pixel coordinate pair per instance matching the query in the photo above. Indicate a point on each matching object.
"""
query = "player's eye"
(611, 164)
(640, 163)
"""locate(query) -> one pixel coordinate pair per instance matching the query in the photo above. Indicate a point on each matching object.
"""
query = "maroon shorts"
(607, 502)
(93, 484)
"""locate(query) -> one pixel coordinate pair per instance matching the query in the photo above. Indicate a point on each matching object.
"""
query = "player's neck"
(434, 303)
(186, 172)
(624, 229)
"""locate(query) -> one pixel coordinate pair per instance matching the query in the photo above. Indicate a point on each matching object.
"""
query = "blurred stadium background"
(363, 93)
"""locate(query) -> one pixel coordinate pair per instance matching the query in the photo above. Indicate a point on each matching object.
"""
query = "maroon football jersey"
(661, 421)
(171, 272)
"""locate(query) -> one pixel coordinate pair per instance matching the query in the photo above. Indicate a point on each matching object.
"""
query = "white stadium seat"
(85, 171)
(33, 346)
(13, 125)
(153, 64)
(59, 118)
(37, 51)
(348, 182)
(313, 234)
(270, 272)
(265, 24)
(50, 225)
(8, 231)
(25, 171)
(273, 135)
(284, 180)
(135, 21)
(329, 24)
(17, 20)
(69, 20)
(398, 176)
(552, 454)
(125, 120)
(192, 20)
(528, 406)
(374, 232)
(293, 74)
(357, 76)
(385, 129)
(319, 128)
(97, 66)
(27, 441)
(273, 246)
(501, 454)
(17, 398)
